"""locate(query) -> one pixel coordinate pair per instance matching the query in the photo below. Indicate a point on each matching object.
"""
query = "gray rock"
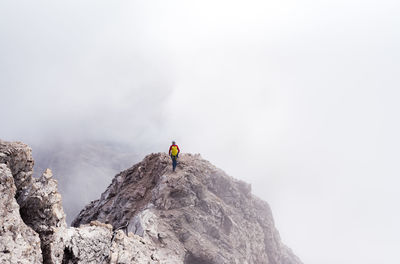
(18, 242)
(97, 243)
(38, 198)
(199, 211)
(33, 228)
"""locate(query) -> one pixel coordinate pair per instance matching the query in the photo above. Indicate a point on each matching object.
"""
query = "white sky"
(299, 98)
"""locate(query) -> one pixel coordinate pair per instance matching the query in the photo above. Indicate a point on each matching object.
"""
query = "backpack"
(174, 150)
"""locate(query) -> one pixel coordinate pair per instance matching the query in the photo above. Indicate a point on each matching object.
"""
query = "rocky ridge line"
(199, 213)
(147, 215)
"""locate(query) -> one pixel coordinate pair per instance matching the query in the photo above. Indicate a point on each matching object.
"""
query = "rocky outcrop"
(147, 215)
(18, 242)
(42, 210)
(199, 213)
(38, 198)
(98, 243)
(33, 228)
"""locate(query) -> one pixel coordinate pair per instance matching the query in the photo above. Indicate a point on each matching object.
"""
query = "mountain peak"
(200, 212)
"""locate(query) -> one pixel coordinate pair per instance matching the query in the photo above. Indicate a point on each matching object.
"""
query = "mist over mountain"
(83, 168)
(298, 98)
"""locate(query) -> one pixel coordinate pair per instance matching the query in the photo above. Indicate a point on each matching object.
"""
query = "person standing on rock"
(174, 152)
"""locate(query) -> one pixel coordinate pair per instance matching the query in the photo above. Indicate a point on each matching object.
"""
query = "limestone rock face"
(42, 210)
(38, 198)
(98, 243)
(18, 242)
(197, 214)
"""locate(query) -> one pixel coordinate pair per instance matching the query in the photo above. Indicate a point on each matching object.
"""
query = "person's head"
(173, 142)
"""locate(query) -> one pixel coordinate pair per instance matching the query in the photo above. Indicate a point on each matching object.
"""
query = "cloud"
(298, 98)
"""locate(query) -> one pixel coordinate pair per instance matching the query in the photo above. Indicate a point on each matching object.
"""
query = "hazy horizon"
(298, 98)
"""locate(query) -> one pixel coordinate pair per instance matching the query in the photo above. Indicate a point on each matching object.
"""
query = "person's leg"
(173, 163)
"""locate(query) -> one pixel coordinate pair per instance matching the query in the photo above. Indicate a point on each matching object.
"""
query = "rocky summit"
(148, 214)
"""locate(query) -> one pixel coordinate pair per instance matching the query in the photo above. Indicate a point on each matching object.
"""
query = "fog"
(299, 98)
